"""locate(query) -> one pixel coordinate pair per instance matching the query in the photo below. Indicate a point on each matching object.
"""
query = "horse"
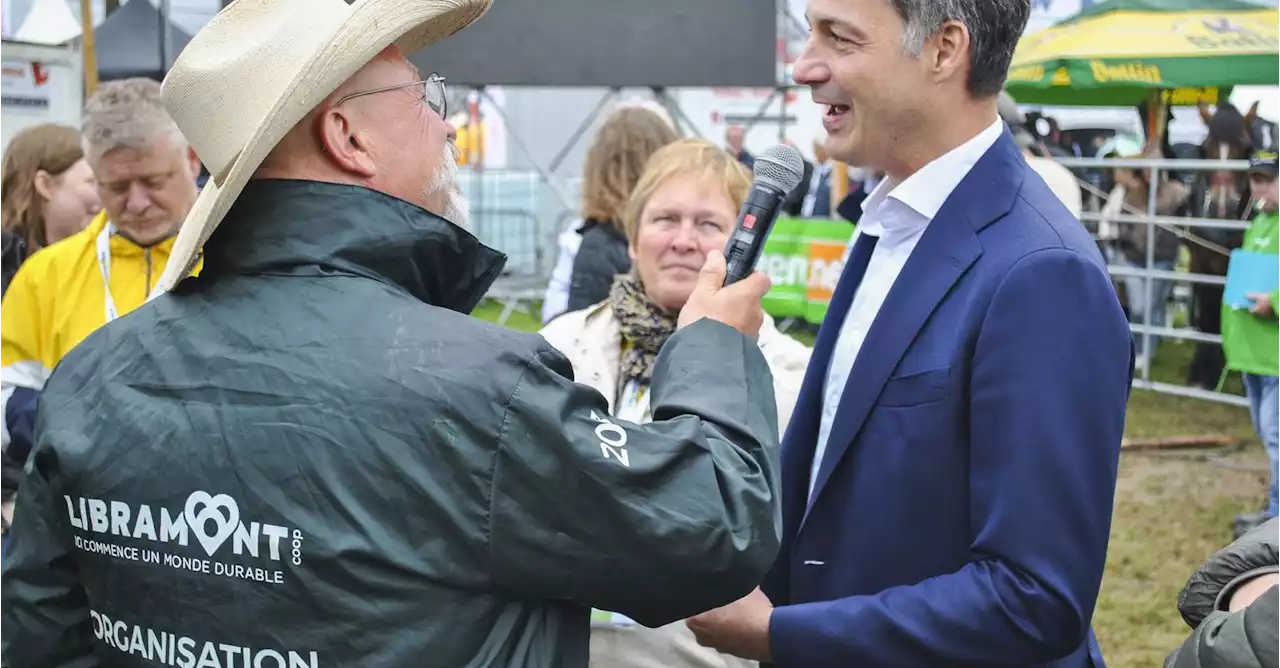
(1220, 194)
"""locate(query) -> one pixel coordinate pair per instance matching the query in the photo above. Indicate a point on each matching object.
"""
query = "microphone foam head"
(780, 167)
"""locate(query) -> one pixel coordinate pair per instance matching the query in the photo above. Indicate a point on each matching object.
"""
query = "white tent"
(48, 22)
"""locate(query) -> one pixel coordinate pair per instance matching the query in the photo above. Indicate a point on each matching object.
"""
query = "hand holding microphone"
(729, 289)
(737, 305)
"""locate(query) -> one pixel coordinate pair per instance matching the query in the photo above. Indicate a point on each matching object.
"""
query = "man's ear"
(193, 161)
(342, 145)
(950, 53)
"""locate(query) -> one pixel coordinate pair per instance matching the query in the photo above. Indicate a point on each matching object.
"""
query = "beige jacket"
(590, 338)
(1060, 180)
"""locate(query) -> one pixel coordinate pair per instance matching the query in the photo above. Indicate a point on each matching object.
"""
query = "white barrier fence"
(1183, 227)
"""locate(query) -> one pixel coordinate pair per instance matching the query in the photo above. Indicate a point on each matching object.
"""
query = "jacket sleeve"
(1050, 378)
(1246, 638)
(657, 522)
(44, 607)
(1210, 587)
(23, 368)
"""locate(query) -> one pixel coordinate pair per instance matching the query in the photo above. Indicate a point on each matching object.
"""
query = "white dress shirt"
(898, 214)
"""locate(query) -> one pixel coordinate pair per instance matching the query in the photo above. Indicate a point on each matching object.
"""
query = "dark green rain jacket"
(1245, 638)
(311, 456)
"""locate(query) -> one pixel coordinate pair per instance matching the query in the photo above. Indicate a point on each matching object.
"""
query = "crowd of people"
(246, 412)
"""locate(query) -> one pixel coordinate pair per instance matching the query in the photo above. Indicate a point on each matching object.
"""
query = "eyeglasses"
(432, 93)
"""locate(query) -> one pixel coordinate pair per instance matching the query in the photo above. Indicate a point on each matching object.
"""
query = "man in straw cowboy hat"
(309, 455)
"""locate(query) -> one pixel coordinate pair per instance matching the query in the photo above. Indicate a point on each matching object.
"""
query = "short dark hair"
(994, 29)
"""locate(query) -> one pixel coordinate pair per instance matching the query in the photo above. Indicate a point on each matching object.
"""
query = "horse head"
(1231, 137)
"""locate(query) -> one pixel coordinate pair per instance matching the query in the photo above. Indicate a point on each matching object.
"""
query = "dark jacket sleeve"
(1246, 638)
(1041, 428)
(1243, 638)
(660, 521)
(45, 608)
(1210, 587)
(24, 366)
(601, 257)
(20, 419)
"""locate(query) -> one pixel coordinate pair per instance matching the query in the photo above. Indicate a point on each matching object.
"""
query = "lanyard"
(633, 402)
(104, 264)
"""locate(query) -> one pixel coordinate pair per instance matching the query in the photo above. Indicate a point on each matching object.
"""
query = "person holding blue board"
(1250, 336)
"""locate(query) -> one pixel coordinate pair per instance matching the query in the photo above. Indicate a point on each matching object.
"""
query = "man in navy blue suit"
(949, 471)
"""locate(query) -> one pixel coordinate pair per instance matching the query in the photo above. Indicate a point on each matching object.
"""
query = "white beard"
(445, 183)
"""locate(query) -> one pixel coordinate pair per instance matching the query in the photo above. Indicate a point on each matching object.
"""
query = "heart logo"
(221, 510)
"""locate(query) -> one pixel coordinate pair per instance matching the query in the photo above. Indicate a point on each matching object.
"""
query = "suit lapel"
(946, 250)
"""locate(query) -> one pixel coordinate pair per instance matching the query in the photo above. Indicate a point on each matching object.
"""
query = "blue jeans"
(1264, 408)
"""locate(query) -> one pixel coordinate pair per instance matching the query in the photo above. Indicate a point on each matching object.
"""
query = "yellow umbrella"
(1116, 52)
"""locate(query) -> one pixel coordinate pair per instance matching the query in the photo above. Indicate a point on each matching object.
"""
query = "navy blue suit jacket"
(962, 509)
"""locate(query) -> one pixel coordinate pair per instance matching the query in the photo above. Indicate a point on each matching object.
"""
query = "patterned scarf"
(644, 327)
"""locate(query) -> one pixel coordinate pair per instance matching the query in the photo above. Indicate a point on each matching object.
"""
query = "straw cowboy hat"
(260, 66)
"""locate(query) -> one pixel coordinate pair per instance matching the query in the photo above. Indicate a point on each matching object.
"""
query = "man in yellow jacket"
(146, 177)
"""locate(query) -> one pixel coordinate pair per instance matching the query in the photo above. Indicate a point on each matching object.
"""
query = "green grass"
(524, 321)
(1154, 415)
(1172, 510)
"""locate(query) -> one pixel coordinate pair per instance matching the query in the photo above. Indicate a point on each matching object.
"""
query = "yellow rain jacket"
(58, 298)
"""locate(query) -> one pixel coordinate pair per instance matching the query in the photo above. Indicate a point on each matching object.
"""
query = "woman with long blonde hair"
(48, 191)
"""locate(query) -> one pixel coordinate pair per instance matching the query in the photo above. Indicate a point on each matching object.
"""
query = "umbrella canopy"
(1116, 52)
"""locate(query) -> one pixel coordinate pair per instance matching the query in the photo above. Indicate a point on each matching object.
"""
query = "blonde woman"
(684, 205)
(594, 249)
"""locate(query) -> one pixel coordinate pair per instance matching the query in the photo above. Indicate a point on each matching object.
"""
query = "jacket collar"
(315, 228)
(124, 247)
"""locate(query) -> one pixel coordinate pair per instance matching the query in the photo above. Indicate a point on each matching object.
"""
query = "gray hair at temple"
(994, 29)
(127, 113)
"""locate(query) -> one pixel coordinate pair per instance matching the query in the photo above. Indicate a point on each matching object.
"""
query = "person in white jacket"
(684, 205)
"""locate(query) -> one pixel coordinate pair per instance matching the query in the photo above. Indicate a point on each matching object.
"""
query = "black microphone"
(777, 172)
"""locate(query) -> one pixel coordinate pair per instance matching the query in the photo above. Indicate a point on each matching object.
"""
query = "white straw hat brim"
(370, 27)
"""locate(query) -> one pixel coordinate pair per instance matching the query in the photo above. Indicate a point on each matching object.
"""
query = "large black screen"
(647, 43)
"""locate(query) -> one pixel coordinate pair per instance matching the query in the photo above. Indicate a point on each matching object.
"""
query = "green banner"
(803, 257)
